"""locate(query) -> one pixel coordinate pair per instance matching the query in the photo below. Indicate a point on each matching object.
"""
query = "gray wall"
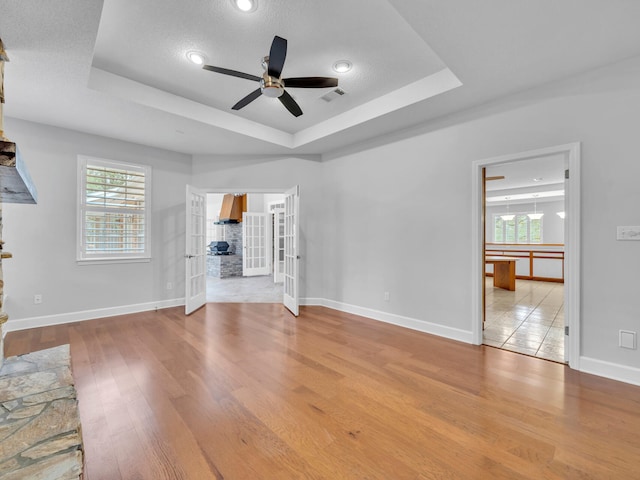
(402, 211)
(42, 237)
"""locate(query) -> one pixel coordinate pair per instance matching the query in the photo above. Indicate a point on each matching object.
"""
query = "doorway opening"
(245, 247)
(526, 266)
(524, 257)
(255, 249)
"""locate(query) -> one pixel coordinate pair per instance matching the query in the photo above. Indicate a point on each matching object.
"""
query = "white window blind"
(114, 210)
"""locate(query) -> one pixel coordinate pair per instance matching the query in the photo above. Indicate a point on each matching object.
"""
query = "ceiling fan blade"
(233, 73)
(311, 82)
(290, 104)
(247, 100)
(277, 55)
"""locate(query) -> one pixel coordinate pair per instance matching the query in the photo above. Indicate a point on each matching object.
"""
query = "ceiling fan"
(271, 83)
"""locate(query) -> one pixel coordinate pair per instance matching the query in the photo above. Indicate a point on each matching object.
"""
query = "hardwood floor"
(247, 392)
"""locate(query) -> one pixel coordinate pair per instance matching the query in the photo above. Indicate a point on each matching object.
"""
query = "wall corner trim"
(614, 371)
(14, 325)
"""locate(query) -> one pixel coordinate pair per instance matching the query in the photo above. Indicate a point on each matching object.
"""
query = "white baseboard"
(316, 302)
(407, 322)
(614, 371)
(47, 320)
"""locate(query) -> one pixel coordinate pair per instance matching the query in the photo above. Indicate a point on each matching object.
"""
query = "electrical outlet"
(37, 299)
(386, 296)
(169, 286)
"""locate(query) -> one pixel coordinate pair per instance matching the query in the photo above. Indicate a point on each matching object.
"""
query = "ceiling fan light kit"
(272, 84)
(271, 87)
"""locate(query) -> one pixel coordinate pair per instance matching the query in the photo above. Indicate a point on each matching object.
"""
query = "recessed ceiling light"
(245, 5)
(196, 57)
(342, 66)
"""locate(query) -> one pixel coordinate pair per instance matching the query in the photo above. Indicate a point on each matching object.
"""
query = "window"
(113, 214)
(521, 229)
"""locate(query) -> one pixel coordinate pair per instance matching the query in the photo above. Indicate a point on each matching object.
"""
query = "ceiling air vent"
(333, 94)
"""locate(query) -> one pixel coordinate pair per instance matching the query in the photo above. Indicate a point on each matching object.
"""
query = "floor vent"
(333, 94)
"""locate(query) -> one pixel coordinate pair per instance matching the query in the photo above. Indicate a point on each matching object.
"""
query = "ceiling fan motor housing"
(271, 87)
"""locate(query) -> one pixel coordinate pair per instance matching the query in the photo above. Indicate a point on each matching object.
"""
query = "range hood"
(16, 185)
(233, 205)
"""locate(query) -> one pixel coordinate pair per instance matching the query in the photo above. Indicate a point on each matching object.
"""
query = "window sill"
(106, 261)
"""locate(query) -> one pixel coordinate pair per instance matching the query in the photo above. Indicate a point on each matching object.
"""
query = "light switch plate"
(628, 233)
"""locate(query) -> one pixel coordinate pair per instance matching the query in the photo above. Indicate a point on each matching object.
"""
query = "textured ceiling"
(136, 41)
(120, 70)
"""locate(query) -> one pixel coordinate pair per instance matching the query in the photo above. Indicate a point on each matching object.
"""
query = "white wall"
(255, 202)
(401, 212)
(42, 237)
(272, 198)
(259, 202)
(214, 204)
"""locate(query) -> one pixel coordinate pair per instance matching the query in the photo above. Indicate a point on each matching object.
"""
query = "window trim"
(82, 257)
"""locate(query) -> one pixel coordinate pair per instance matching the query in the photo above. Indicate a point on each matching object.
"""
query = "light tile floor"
(529, 320)
(259, 289)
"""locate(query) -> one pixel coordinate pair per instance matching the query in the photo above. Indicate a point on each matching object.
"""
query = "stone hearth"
(40, 437)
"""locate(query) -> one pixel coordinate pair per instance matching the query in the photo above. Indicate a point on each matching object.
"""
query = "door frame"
(223, 190)
(571, 152)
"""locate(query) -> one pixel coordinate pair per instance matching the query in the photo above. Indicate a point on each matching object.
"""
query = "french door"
(291, 255)
(196, 252)
(256, 237)
(278, 245)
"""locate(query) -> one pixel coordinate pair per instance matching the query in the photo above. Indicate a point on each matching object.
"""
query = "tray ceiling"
(118, 68)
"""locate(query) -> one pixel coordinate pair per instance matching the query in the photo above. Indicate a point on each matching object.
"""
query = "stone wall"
(224, 266)
(2, 322)
(39, 418)
(233, 236)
